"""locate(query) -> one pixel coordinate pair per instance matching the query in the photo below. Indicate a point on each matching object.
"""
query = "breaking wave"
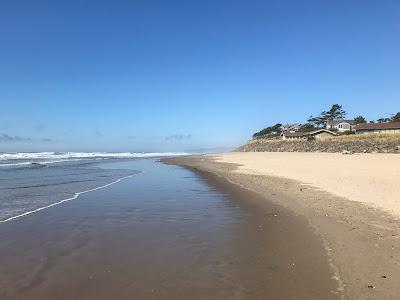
(28, 158)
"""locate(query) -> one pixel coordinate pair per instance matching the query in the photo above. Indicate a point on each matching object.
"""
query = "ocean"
(30, 182)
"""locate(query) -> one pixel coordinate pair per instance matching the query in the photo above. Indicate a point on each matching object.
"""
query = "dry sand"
(362, 241)
(369, 178)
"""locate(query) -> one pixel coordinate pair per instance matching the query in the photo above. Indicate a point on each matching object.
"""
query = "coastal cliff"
(351, 144)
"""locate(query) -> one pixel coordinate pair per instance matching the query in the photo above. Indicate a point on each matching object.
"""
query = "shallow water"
(26, 188)
(166, 233)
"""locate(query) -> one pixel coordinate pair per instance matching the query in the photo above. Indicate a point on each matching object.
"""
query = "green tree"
(307, 127)
(396, 117)
(336, 112)
(269, 131)
(360, 119)
(317, 121)
(384, 120)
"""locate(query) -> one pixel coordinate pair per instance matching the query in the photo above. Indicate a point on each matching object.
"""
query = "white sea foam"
(26, 158)
(45, 162)
(76, 195)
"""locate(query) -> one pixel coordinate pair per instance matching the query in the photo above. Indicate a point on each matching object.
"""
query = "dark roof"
(335, 122)
(378, 126)
(307, 133)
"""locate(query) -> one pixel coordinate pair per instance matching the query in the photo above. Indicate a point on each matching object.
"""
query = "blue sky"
(181, 75)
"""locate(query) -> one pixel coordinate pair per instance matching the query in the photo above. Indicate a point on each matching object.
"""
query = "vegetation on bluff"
(270, 131)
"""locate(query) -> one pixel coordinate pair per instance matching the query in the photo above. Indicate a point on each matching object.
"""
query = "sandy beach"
(373, 179)
(351, 201)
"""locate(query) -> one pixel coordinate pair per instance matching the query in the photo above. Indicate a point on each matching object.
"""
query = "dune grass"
(375, 138)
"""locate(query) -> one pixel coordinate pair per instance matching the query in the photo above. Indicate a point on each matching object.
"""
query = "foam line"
(85, 155)
(76, 195)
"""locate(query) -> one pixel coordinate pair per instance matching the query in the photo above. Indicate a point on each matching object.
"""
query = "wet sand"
(167, 233)
(361, 240)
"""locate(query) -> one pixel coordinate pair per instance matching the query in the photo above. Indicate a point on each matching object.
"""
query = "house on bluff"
(317, 134)
(341, 125)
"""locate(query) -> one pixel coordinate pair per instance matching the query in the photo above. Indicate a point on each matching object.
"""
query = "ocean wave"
(36, 163)
(26, 158)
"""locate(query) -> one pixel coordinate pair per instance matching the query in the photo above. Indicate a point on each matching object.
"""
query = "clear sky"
(180, 75)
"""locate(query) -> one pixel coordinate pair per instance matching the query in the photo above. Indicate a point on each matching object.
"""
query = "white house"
(341, 125)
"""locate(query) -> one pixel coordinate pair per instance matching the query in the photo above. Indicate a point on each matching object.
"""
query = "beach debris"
(371, 287)
(347, 152)
(275, 215)
(383, 276)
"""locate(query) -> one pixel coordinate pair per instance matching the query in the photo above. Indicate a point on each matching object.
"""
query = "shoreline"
(168, 234)
(362, 241)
